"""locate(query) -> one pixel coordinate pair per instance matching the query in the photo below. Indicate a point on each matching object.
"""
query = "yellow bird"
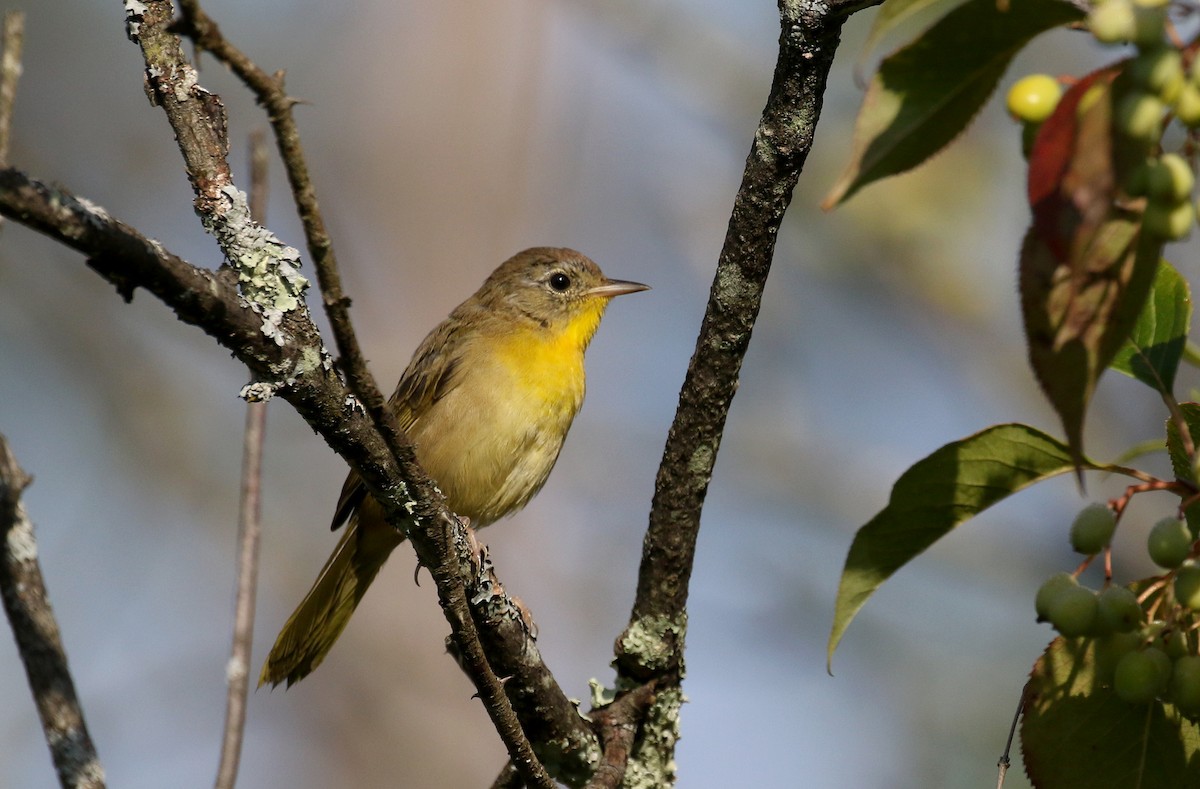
(486, 400)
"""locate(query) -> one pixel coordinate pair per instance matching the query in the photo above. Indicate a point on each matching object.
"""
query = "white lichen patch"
(601, 696)
(646, 639)
(652, 764)
(267, 269)
(19, 543)
(134, 11)
(258, 392)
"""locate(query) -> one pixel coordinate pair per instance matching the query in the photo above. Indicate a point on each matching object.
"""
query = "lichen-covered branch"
(651, 647)
(36, 632)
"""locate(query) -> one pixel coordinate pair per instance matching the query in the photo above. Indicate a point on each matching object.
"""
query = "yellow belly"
(491, 441)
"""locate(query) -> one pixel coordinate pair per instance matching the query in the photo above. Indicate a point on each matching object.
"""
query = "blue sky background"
(444, 137)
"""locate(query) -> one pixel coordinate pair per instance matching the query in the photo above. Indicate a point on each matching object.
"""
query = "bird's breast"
(492, 440)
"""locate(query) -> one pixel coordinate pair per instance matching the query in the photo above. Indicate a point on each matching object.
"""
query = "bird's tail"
(321, 616)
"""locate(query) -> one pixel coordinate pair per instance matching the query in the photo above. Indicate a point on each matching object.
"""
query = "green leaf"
(956, 482)
(894, 14)
(923, 96)
(1180, 463)
(1155, 346)
(1075, 732)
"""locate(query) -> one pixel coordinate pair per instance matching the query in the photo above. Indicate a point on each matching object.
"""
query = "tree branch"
(237, 674)
(10, 73)
(23, 591)
(652, 644)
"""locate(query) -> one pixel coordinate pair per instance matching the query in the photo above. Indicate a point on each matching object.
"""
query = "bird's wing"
(432, 372)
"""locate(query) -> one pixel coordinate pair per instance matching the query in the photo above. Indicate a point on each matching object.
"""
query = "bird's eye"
(560, 281)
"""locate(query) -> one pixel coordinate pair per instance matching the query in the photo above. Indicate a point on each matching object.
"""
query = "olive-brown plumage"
(486, 400)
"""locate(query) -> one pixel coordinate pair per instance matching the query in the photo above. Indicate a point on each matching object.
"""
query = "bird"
(486, 401)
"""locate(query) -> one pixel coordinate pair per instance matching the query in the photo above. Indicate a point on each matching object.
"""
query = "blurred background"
(444, 137)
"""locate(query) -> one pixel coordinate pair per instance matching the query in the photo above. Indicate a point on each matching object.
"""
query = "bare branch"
(652, 644)
(249, 529)
(38, 640)
(13, 37)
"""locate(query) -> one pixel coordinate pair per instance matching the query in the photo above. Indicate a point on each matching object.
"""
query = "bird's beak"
(616, 287)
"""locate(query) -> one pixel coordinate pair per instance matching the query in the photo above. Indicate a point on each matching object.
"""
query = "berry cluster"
(1146, 644)
(1154, 86)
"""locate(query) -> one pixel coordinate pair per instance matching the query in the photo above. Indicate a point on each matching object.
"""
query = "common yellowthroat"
(486, 400)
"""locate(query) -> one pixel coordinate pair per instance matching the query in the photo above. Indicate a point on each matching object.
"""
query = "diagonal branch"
(23, 591)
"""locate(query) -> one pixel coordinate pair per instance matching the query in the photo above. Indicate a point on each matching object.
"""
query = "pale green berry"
(1139, 116)
(1187, 586)
(1075, 612)
(1187, 104)
(1050, 590)
(1119, 609)
(1032, 99)
(1093, 528)
(1149, 24)
(1170, 222)
(1159, 71)
(1185, 684)
(1170, 179)
(1140, 676)
(1113, 21)
(1169, 542)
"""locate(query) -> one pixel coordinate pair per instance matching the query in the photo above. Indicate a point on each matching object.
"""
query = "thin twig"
(249, 529)
(38, 639)
(13, 37)
(618, 723)
(1005, 761)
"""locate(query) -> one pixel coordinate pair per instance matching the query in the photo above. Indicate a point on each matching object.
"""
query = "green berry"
(1093, 529)
(1049, 592)
(1169, 543)
(1109, 651)
(1159, 71)
(1149, 24)
(1139, 116)
(1075, 612)
(1140, 676)
(1187, 586)
(1167, 221)
(1170, 179)
(1032, 99)
(1187, 104)
(1119, 609)
(1185, 684)
(1113, 21)
(1177, 644)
